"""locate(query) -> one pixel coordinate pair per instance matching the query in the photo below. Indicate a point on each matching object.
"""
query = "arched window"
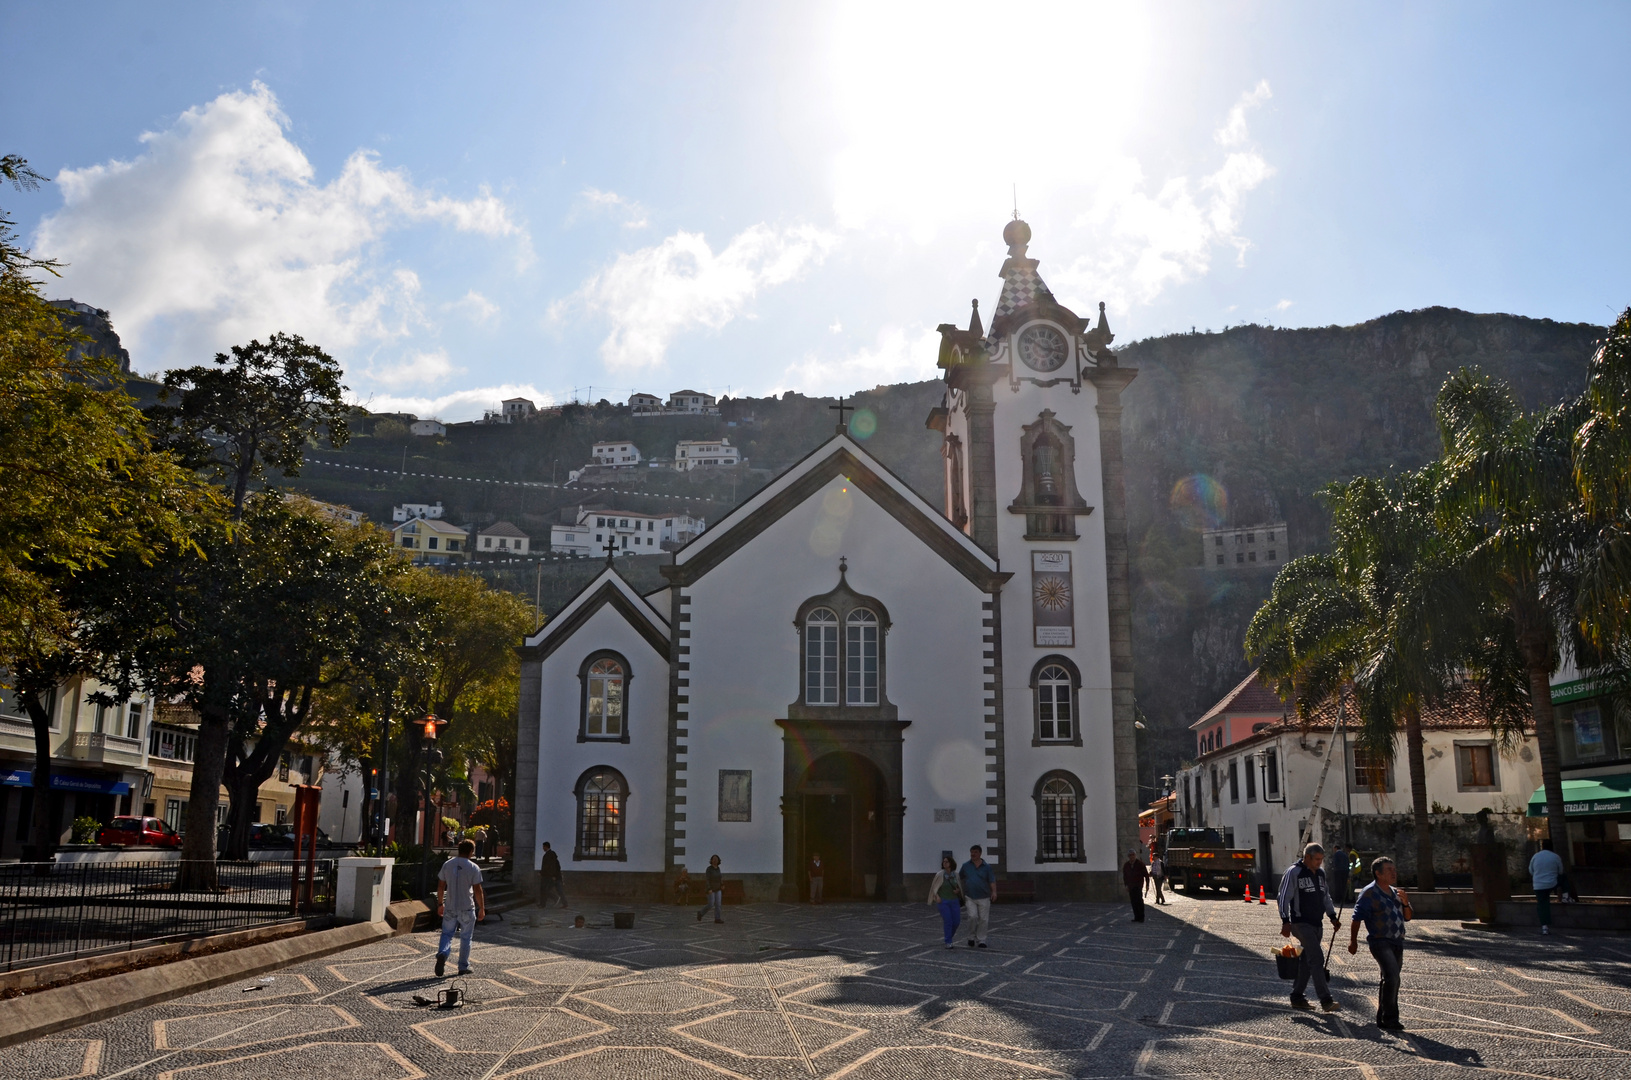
(1055, 717)
(603, 797)
(821, 658)
(1055, 690)
(1058, 818)
(603, 714)
(861, 658)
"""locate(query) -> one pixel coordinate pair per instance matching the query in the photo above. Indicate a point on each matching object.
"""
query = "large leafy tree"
(328, 603)
(256, 407)
(1602, 473)
(81, 489)
(470, 673)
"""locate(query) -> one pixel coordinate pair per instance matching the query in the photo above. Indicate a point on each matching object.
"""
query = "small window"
(1234, 781)
(453, 545)
(1475, 767)
(1271, 774)
(1240, 556)
(1055, 716)
(1251, 780)
(604, 716)
(489, 541)
(407, 541)
(1251, 556)
(821, 658)
(1271, 538)
(430, 543)
(1271, 555)
(1371, 771)
(1220, 560)
(1251, 538)
(1219, 540)
(1217, 791)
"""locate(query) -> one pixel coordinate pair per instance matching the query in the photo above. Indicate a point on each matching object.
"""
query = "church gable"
(608, 588)
(839, 457)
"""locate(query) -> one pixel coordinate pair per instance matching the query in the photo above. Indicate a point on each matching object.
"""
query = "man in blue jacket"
(1305, 902)
(979, 884)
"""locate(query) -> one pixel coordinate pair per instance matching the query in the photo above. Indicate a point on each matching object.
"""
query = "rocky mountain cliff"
(95, 325)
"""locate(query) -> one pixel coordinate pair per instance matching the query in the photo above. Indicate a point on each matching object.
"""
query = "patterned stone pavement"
(866, 992)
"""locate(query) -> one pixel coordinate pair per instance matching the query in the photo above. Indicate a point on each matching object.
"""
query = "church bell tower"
(1032, 453)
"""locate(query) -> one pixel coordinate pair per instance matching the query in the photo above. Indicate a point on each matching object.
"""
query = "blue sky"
(462, 202)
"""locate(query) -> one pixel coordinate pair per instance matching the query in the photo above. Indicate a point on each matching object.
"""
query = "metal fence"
(53, 911)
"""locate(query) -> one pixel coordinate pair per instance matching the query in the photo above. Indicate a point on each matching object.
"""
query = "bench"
(1014, 891)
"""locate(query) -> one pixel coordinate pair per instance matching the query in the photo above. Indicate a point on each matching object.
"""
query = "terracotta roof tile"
(1253, 695)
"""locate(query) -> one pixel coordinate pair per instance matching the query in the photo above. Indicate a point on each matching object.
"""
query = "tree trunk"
(242, 794)
(44, 828)
(1418, 799)
(198, 838)
(1551, 774)
(408, 796)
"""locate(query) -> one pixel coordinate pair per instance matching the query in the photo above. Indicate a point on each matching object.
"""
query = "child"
(682, 887)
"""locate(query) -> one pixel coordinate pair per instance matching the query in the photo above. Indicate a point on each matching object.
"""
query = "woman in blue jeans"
(946, 892)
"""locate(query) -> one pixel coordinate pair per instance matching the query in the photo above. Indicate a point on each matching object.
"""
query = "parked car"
(273, 835)
(138, 832)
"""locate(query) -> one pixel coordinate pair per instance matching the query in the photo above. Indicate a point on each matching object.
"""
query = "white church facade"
(841, 667)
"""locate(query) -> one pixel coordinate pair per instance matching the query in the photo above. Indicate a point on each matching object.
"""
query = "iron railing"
(60, 911)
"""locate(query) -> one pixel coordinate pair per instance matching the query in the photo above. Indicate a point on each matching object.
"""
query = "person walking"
(1304, 901)
(1384, 909)
(550, 880)
(1336, 875)
(818, 879)
(946, 893)
(716, 891)
(1133, 875)
(1545, 872)
(462, 903)
(979, 885)
(1158, 874)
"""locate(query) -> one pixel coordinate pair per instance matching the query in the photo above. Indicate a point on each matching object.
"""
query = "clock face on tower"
(1042, 348)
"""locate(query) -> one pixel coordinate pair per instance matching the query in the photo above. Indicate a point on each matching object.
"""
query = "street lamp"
(430, 726)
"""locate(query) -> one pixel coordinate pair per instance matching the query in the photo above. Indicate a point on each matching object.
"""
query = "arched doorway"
(843, 816)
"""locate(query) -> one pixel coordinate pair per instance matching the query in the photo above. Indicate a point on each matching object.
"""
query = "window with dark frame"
(1234, 781)
(1271, 774)
(603, 715)
(1057, 807)
(601, 799)
(861, 657)
(1475, 765)
(1055, 694)
(1251, 780)
(821, 658)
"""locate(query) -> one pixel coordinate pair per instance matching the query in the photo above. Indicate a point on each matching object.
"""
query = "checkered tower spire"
(1021, 284)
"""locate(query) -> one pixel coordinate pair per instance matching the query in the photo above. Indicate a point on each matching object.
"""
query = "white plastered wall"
(642, 760)
(745, 671)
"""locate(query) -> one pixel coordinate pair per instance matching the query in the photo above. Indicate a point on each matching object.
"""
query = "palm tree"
(1508, 483)
(1602, 474)
(1376, 614)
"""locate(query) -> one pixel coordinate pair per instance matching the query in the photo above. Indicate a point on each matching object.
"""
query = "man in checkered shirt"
(1384, 909)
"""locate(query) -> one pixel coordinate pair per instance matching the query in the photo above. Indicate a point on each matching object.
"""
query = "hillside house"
(432, 541)
(427, 429)
(332, 511)
(645, 404)
(692, 401)
(412, 511)
(517, 409)
(1245, 548)
(618, 455)
(695, 453)
(500, 538)
(633, 532)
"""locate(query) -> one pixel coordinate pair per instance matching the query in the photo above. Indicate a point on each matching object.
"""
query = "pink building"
(1249, 707)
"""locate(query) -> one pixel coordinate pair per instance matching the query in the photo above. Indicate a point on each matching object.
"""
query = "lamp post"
(431, 726)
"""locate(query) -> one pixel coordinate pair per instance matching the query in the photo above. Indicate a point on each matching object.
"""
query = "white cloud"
(1282, 305)
(1145, 240)
(475, 306)
(595, 201)
(1233, 131)
(416, 369)
(652, 295)
(459, 405)
(218, 232)
(898, 355)
(836, 328)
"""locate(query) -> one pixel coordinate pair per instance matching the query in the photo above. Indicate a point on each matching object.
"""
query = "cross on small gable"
(841, 409)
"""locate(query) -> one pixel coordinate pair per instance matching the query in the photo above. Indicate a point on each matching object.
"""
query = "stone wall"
(1394, 835)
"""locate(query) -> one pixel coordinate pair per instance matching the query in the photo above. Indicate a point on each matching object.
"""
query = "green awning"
(1597, 795)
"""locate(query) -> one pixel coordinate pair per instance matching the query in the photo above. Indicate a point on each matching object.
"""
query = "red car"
(138, 832)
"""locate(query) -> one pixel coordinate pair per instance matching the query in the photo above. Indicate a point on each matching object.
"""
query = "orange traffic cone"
(1261, 897)
(1246, 891)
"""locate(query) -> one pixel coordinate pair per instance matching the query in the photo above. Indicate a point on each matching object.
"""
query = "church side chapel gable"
(601, 721)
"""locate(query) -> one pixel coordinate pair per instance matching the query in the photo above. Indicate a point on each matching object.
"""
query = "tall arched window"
(861, 658)
(1055, 717)
(603, 711)
(1055, 693)
(602, 799)
(1058, 818)
(821, 658)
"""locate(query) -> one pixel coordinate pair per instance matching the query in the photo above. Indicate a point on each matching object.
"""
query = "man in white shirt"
(1545, 871)
(461, 903)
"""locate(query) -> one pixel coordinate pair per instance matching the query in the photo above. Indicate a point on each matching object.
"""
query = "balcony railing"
(96, 746)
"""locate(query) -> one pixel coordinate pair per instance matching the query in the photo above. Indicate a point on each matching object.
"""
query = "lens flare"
(1199, 502)
(863, 424)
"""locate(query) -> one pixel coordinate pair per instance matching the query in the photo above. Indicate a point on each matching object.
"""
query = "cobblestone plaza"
(867, 991)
